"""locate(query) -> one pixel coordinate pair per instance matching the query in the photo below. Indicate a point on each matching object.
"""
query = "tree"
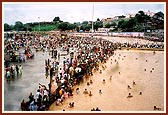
(19, 26)
(158, 20)
(83, 27)
(85, 23)
(120, 23)
(98, 20)
(108, 25)
(63, 26)
(141, 17)
(131, 23)
(113, 24)
(124, 26)
(71, 26)
(7, 27)
(159, 15)
(98, 25)
(56, 19)
(88, 27)
(141, 13)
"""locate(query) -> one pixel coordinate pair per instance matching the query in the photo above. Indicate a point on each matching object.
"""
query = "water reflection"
(18, 88)
(129, 66)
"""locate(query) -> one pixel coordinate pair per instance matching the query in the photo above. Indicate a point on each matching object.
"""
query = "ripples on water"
(131, 65)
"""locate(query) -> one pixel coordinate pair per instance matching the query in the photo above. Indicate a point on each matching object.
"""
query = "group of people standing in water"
(87, 54)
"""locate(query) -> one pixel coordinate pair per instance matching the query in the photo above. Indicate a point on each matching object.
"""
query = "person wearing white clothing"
(45, 92)
(20, 69)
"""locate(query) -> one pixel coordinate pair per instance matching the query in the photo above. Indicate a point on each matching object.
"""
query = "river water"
(20, 87)
(131, 65)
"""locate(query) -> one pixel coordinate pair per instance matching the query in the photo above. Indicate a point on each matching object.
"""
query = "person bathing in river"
(100, 92)
(104, 81)
(129, 95)
(85, 91)
(77, 90)
(90, 93)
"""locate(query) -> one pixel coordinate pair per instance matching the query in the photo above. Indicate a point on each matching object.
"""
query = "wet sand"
(131, 67)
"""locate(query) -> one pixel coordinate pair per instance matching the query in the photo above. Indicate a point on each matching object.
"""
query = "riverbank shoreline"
(145, 49)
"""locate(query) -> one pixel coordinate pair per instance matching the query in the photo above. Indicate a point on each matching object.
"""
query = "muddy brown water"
(131, 65)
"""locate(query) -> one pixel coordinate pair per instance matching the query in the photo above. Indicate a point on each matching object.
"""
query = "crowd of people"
(16, 47)
(39, 102)
(13, 71)
(88, 54)
(85, 56)
(139, 45)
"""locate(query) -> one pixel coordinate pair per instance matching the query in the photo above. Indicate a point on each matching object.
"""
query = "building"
(119, 17)
(106, 21)
(128, 16)
(151, 14)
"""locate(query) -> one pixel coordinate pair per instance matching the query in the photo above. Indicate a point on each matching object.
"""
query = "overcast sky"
(72, 12)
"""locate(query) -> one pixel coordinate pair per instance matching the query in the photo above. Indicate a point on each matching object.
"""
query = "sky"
(73, 11)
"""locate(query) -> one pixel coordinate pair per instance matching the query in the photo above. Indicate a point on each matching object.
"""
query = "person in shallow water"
(100, 71)
(110, 77)
(58, 102)
(90, 93)
(97, 109)
(20, 70)
(140, 93)
(71, 105)
(104, 81)
(88, 83)
(134, 82)
(77, 90)
(23, 105)
(154, 52)
(129, 87)
(91, 81)
(93, 109)
(85, 91)
(129, 95)
(156, 108)
(100, 92)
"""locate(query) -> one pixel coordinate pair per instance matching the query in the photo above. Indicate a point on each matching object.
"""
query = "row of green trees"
(48, 26)
(140, 22)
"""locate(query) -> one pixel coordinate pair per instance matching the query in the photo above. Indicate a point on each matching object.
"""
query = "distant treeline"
(139, 23)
